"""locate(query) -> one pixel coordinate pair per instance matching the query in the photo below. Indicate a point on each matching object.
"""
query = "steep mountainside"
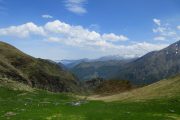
(103, 69)
(153, 66)
(37, 73)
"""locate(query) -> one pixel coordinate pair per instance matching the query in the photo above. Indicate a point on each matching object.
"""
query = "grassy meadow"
(41, 105)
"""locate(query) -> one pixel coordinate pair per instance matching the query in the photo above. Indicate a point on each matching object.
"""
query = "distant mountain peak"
(104, 58)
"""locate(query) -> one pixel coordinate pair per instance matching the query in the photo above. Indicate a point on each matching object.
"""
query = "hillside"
(164, 89)
(109, 87)
(14, 85)
(104, 69)
(153, 66)
(37, 73)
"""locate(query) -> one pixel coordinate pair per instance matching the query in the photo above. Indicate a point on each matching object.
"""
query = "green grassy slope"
(164, 89)
(14, 85)
(36, 104)
(38, 73)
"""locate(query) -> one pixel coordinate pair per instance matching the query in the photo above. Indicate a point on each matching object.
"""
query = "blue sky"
(73, 29)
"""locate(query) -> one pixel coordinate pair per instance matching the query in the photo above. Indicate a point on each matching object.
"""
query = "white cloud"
(131, 50)
(113, 37)
(23, 30)
(160, 38)
(57, 29)
(76, 6)
(80, 37)
(157, 21)
(164, 31)
(178, 27)
(47, 16)
(53, 39)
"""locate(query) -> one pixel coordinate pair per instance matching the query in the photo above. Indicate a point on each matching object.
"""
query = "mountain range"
(72, 63)
(46, 74)
(103, 69)
(147, 69)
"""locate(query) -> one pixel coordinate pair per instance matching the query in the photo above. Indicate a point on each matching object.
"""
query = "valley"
(38, 89)
(35, 104)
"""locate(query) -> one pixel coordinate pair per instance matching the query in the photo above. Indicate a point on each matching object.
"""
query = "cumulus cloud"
(76, 6)
(47, 16)
(23, 30)
(62, 33)
(113, 37)
(79, 35)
